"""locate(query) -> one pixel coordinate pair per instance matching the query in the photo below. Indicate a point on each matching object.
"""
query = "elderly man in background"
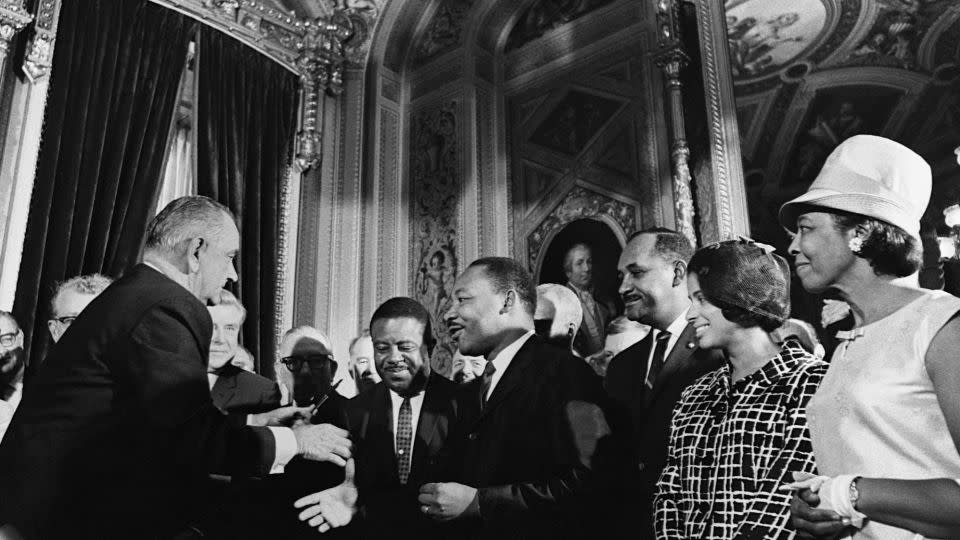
(361, 367)
(578, 266)
(118, 430)
(558, 315)
(233, 389)
(70, 298)
(12, 365)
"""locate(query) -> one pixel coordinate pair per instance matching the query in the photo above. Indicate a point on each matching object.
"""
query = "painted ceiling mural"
(810, 73)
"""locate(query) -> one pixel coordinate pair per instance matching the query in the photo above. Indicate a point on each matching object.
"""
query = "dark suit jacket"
(241, 392)
(388, 508)
(642, 416)
(531, 450)
(117, 426)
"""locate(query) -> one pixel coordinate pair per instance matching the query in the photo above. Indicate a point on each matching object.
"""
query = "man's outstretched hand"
(334, 507)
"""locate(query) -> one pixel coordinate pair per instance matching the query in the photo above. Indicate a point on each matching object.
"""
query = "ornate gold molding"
(39, 55)
(672, 59)
(13, 18)
(318, 50)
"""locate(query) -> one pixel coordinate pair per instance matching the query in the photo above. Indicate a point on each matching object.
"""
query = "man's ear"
(195, 246)
(509, 301)
(679, 273)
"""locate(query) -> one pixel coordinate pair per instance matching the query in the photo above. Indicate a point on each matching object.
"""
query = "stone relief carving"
(444, 31)
(578, 203)
(435, 185)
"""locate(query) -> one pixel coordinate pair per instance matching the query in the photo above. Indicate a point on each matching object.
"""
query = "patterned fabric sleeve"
(667, 523)
(767, 515)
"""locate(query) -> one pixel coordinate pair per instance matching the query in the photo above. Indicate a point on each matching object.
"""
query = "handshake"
(321, 442)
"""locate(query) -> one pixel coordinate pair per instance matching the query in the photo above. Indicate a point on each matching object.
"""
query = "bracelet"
(854, 492)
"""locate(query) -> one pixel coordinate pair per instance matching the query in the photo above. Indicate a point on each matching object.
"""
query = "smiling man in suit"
(646, 379)
(527, 454)
(401, 427)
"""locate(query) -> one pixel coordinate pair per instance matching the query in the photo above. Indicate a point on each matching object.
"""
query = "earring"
(855, 244)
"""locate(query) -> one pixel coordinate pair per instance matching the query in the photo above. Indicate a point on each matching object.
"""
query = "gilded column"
(671, 59)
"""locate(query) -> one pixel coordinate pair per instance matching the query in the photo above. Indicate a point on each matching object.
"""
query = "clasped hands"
(335, 507)
(812, 510)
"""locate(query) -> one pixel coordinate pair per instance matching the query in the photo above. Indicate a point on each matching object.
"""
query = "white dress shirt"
(502, 360)
(416, 404)
(10, 395)
(676, 328)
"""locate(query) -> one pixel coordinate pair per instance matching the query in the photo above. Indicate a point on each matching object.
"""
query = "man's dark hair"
(185, 218)
(402, 307)
(507, 274)
(671, 245)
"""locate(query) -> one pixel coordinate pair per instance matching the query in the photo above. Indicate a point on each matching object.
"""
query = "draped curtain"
(245, 120)
(112, 93)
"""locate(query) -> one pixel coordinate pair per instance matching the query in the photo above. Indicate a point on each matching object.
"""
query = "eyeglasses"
(65, 321)
(295, 363)
(7, 340)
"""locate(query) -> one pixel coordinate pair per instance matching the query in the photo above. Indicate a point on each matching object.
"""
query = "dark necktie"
(659, 355)
(485, 381)
(404, 440)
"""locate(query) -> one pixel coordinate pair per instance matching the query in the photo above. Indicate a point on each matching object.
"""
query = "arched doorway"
(605, 248)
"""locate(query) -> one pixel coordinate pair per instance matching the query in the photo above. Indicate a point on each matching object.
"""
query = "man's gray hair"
(227, 298)
(89, 284)
(183, 219)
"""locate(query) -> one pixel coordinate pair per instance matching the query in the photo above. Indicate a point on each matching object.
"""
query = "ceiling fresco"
(810, 73)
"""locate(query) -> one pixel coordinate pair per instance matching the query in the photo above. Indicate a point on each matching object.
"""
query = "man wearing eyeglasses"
(11, 368)
(70, 298)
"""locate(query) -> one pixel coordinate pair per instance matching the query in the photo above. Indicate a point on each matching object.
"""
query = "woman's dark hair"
(888, 248)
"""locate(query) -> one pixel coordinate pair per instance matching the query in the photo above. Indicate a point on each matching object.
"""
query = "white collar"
(678, 324)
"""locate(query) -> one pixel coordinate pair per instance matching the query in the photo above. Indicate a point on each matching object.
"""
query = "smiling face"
(400, 354)
(821, 251)
(226, 335)
(647, 283)
(474, 315)
(713, 330)
(216, 261)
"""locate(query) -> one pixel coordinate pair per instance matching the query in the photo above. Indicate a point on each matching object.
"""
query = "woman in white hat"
(885, 423)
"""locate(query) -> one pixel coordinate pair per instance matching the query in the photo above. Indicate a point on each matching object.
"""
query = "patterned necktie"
(659, 356)
(485, 381)
(404, 440)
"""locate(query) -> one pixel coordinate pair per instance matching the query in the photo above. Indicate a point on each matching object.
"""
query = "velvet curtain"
(246, 118)
(112, 94)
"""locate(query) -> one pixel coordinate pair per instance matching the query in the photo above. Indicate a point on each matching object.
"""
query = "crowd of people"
(703, 412)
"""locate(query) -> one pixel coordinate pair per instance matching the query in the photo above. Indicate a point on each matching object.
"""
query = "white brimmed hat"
(871, 176)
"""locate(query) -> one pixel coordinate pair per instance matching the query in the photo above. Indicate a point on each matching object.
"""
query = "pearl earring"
(855, 244)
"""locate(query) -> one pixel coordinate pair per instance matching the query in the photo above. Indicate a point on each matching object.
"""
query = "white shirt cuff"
(286, 448)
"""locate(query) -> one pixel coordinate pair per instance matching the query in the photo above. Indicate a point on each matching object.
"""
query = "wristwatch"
(854, 492)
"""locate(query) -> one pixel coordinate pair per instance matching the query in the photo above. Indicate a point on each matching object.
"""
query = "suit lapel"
(224, 389)
(680, 356)
(380, 436)
(514, 374)
(431, 422)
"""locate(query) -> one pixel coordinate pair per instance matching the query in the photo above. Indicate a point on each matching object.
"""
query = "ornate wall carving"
(579, 203)
(436, 176)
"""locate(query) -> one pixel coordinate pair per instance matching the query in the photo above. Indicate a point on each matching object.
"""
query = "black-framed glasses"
(295, 363)
(7, 340)
(65, 321)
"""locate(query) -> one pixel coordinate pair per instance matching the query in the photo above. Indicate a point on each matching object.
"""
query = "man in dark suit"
(117, 426)
(529, 445)
(646, 379)
(400, 426)
(234, 390)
